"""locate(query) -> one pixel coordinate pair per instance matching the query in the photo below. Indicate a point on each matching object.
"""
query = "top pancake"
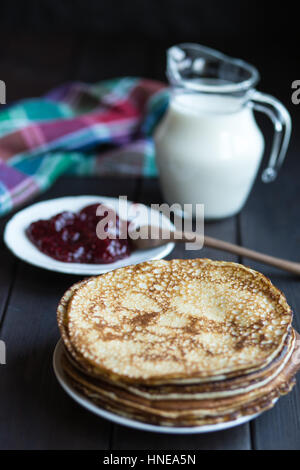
(177, 320)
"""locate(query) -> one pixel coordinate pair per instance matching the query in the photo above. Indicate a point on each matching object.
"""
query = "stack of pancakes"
(179, 343)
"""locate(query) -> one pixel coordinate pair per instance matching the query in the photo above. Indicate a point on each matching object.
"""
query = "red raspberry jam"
(71, 237)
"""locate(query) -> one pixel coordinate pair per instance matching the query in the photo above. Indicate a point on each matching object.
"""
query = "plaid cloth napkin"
(99, 129)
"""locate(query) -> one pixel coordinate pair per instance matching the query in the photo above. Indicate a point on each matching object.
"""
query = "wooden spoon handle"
(252, 254)
(286, 265)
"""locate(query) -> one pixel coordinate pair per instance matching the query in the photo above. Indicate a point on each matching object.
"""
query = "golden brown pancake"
(199, 412)
(181, 320)
(174, 401)
(214, 389)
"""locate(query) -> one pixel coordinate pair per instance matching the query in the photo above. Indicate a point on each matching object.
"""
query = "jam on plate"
(71, 237)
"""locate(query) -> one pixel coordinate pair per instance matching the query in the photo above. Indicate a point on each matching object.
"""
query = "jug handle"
(281, 119)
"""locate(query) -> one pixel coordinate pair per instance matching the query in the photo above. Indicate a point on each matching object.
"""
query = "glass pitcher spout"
(202, 69)
(193, 68)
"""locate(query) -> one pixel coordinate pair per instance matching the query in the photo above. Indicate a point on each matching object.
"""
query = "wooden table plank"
(35, 413)
(231, 439)
(238, 438)
(270, 223)
(7, 271)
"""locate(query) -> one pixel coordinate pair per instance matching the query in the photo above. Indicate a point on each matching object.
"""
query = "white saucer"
(17, 241)
(131, 423)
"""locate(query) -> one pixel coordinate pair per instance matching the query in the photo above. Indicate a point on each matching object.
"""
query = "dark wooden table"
(35, 413)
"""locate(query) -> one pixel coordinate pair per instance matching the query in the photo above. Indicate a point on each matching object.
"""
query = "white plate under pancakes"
(17, 241)
(89, 405)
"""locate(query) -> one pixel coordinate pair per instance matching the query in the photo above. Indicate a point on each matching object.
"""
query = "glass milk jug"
(208, 145)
